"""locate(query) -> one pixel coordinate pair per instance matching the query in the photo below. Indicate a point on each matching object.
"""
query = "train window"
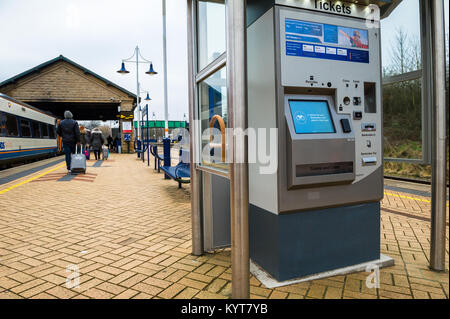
(11, 125)
(36, 129)
(2, 124)
(25, 128)
(44, 130)
(51, 130)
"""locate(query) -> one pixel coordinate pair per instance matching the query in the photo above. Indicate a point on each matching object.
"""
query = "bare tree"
(90, 124)
(416, 54)
(106, 130)
(406, 54)
(400, 53)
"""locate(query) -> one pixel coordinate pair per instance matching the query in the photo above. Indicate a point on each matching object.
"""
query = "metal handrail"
(222, 126)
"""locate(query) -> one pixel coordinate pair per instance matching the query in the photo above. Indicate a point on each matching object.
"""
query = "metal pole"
(439, 162)
(426, 35)
(142, 138)
(166, 107)
(196, 195)
(138, 89)
(148, 137)
(237, 101)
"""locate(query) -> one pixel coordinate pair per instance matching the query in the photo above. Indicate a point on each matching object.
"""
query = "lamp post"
(147, 98)
(166, 107)
(151, 71)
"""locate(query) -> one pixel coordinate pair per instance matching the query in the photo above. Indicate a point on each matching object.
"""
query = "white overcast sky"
(98, 34)
(405, 16)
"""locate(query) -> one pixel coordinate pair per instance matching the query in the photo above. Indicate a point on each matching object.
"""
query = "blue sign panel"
(326, 52)
(127, 137)
(330, 34)
(325, 41)
(303, 27)
(311, 117)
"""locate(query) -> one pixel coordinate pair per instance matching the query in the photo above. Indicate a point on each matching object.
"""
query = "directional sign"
(124, 117)
(126, 127)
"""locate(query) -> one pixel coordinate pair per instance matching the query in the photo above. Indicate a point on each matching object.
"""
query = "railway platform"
(127, 232)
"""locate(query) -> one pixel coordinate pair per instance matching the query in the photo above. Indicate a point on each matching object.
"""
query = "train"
(26, 133)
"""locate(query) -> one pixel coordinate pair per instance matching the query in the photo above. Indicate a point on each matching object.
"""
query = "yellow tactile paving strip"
(129, 234)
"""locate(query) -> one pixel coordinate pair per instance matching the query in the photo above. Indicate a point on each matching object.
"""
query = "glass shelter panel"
(213, 113)
(403, 119)
(211, 34)
(400, 41)
(402, 87)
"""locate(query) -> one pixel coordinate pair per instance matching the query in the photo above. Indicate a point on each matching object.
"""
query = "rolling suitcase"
(78, 162)
(105, 154)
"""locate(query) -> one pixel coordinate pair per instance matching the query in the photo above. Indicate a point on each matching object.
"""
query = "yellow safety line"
(407, 197)
(29, 180)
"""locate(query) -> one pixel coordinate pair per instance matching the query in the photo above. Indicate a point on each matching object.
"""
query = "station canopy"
(386, 6)
(61, 84)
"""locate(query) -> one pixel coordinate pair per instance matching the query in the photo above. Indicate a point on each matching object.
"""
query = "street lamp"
(151, 71)
(166, 106)
(147, 98)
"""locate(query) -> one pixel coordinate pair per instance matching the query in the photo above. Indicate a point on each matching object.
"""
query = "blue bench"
(182, 171)
(139, 151)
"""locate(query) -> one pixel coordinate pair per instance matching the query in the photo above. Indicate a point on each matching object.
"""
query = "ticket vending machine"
(314, 74)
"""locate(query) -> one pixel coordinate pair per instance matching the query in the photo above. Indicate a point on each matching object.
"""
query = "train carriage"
(26, 133)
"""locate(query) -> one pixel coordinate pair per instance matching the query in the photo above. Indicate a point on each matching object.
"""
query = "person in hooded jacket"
(97, 141)
(84, 138)
(69, 131)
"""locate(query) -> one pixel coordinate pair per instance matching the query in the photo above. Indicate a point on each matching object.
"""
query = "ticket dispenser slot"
(321, 143)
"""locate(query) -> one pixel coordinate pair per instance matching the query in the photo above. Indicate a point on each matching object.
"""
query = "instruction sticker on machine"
(325, 41)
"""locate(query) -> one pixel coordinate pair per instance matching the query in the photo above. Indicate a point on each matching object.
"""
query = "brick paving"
(128, 233)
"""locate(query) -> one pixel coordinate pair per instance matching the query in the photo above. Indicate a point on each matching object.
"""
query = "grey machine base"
(300, 244)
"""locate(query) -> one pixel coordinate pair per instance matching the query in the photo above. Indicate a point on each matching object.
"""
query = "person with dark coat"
(88, 136)
(115, 144)
(69, 131)
(110, 142)
(84, 138)
(97, 142)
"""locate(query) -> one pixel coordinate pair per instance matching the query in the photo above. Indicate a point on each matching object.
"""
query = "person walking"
(84, 138)
(97, 141)
(118, 144)
(115, 144)
(88, 136)
(110, 142)
(69, 131)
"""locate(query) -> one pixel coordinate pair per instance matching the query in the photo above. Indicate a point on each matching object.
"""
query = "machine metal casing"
(310, 224)
(273, 76)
